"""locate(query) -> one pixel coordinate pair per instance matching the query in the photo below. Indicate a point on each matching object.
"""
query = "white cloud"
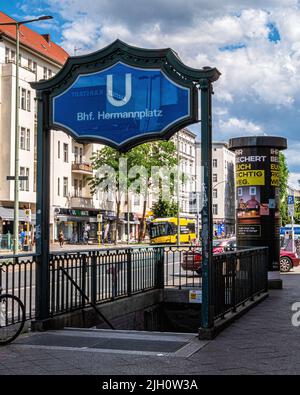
(293, 180)
(234, 127)
(259, 89)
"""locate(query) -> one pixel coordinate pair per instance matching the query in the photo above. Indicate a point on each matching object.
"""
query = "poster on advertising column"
(257, 193)
(248, 211)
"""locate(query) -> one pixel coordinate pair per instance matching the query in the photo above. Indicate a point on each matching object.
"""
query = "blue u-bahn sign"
(121, 103)
(123, 96)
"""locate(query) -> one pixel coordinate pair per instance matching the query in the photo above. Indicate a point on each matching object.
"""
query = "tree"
(109, 158)
(283, 180)
(162, 208)
(297, 212)
(148, 155)
(159, 154)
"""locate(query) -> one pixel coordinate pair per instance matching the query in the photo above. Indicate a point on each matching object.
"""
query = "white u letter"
(109, 91)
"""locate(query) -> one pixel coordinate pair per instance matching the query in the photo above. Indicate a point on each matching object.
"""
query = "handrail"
(85, 296)
(18, 255)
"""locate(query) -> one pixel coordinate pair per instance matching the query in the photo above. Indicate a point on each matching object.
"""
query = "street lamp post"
(17, 138)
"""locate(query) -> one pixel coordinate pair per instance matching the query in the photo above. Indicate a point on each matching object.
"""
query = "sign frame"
(165, 60)
(168, 61)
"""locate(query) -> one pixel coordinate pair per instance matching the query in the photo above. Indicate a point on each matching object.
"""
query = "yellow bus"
(164, 230)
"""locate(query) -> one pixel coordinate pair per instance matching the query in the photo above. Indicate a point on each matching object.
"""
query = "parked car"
(288, 260)
(192, 259)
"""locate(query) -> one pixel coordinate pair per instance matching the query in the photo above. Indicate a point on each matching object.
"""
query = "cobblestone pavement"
(261, 342)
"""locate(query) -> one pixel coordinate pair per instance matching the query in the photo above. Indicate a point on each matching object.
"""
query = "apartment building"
(72, 206)
(223, 187)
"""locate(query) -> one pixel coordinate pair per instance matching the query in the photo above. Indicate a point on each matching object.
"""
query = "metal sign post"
(99, 220)
(122, 96)
(207, 218)
(291, 210)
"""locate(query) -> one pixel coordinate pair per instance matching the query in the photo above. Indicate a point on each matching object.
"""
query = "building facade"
(73, 207)
(223, 189)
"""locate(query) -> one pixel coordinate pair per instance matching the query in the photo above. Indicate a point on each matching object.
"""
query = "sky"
(254, 44)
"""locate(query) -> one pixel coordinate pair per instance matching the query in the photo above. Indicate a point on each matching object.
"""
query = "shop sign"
(27, 213)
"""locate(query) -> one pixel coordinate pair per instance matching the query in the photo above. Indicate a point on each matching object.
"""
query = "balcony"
(82, 168)
(81, 202)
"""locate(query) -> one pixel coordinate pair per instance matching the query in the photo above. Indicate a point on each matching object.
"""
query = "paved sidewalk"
(84, 247)
(261, 342)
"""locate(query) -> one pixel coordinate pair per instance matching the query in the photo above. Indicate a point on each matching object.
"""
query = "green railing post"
(83, 279)
(207, 218)
(129, 271)
(94, 278)
(42, 210)
(160, 269)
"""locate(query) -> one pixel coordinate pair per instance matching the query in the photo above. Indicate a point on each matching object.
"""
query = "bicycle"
(12, 316)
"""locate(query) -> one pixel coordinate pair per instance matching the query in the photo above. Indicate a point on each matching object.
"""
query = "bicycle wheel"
(12, 318)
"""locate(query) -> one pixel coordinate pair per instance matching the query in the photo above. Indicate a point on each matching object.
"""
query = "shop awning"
(7, 214)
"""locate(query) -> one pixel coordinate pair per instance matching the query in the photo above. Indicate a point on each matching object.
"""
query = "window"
(34, 67)
(215, 209)
(35, 109)
(34, 176)
(22, 138)
(215, 177)
(28, 102)
(12, 56)
(58, 186)
(78, 154)
(28, 139)
(50, 73)
(35, 142)
(65, 190)
(66, 152)
(77, 188)
(215, 193)
(58, 149)
(30, 64)
(7, 55)
(45, 74)
(215, 162)
(23, 99)
(24, 184)
(136, 200)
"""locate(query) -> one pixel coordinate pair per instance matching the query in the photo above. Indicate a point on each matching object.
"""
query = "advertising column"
(257, 193)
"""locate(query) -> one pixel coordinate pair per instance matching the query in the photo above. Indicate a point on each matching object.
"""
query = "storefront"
(73, 223)
(7, 226)
(131, 227)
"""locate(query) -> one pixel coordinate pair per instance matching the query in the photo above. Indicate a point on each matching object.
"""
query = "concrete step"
(115, 341)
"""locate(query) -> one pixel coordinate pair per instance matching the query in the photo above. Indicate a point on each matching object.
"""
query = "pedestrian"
(61, 238)
(85, 237)
(22, 236)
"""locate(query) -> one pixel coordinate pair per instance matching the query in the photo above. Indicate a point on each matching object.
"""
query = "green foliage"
(283, 180)
(158, 153)
(297, 212)
(162, 208)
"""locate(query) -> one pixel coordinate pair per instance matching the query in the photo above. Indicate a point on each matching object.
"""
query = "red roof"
(34, 40)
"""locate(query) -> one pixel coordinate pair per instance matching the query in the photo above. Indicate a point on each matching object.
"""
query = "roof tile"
(34, 40)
